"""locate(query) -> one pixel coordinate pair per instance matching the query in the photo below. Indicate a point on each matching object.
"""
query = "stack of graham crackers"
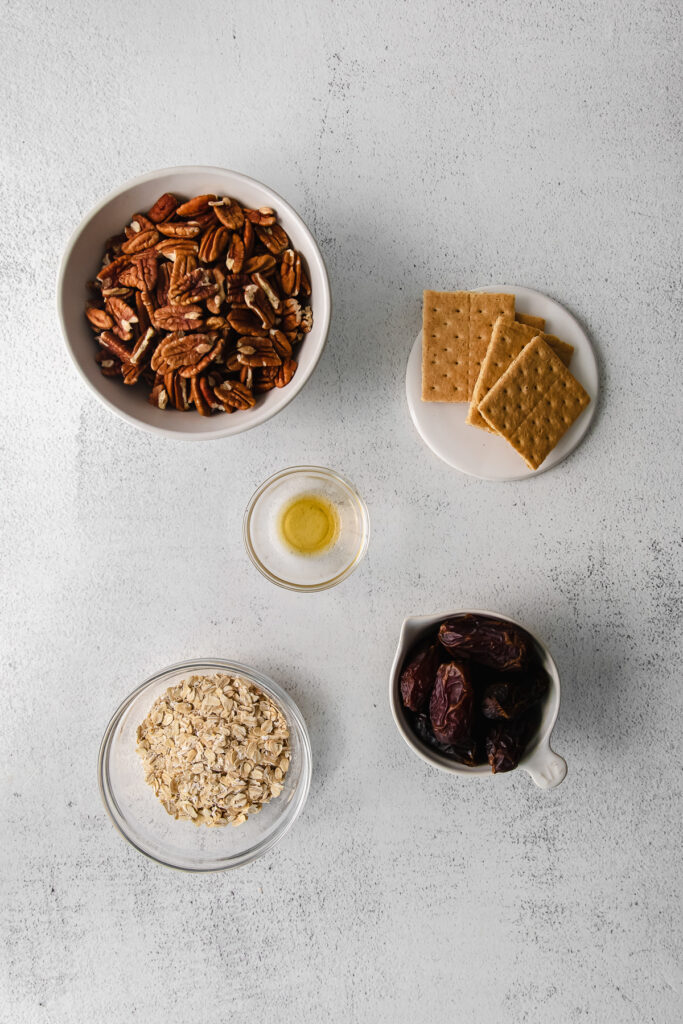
(515, 377)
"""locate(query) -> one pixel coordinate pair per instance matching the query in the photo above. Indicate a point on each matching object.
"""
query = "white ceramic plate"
(82, 259)
(442, 426)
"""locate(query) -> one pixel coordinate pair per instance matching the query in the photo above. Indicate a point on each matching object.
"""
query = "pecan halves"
(180, 350)
(214, 242)
(257, 352)
(164, 207)
(257, 301)
(233, 393)
(198, 205)
(201, 302)
(178, 318)
(140, 241)
(229, 213)
(285, 373)
(290, 272)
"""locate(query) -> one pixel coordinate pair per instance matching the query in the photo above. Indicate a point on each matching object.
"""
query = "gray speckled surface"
(439, 144)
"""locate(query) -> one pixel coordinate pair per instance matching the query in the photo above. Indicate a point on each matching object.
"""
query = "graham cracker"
(532, 321)
(507, 341)
(456, 330)
(535, 402)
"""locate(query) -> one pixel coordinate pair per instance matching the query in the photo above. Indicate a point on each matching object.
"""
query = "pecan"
(163, 282)
(171, 248)
(122, 313)
(177, 389)
(159, 396)
(234, 261)
(108, 363)
(179, 228)
(213, 243)
(248, 237)
(140, 241)
(178, 318)
(142, 346)
(200, 204)
(281, 344)
(144, 319)
(234, 288)
(193, 287)
(262, 264)
(115, 345)
(256, 300)
(274, 238)
(215, 323)
(197, 397)
(256, 352)
(291, 314)
(131, 373)
(138, 222)
(110, 272)
(142, 272)
(235, 394)
(285, 373)
(245, 322)
(247, 377)
(262, 281)
(290, 272)
(214, 302)
(206, 390)
(164, 207)
(180, 350)
(229, 213)
(307, 320)
(99, 318)
(305, 283)
(213, 355)
(264, 215)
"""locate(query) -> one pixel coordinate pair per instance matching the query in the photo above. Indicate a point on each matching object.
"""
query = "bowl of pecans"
(206, 765)
(194, 302)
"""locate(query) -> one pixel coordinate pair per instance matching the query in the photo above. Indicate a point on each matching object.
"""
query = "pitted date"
(418, 678)
(491, 642)
(451, 705)
(510, 697)
(506, 741)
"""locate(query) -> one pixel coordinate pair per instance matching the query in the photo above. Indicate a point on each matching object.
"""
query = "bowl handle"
(545, 767)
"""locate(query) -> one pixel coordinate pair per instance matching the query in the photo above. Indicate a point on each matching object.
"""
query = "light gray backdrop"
(426, 144)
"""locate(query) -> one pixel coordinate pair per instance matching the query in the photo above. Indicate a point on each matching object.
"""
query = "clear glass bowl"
(269, 553)
(139, 815)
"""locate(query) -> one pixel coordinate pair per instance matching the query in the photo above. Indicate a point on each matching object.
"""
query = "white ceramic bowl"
(81, 262)
(545, 767)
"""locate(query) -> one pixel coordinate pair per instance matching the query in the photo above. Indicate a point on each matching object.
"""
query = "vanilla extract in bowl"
(306, 528)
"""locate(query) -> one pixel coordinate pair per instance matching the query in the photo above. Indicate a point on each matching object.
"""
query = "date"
(451, 705)
(468, 751)
(506, 741)
(491, 642)
(418, 678)
(513, 696)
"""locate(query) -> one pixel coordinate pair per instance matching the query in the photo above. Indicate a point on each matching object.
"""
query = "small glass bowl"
(139, 815)
(270, 554)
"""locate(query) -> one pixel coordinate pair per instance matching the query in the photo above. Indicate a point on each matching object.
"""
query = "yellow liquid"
(309, 524)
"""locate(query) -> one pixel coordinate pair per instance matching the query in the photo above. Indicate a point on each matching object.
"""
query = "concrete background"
(431, 144)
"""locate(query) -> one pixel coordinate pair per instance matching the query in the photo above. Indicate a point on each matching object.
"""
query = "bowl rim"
(540, 744)
(288, 394)
(286, 584)
(293, 714)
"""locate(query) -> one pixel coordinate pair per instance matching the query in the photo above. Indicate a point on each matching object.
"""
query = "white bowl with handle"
(82, 260)
(546, 768)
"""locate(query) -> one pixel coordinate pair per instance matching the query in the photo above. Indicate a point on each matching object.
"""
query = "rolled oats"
(215, 749)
